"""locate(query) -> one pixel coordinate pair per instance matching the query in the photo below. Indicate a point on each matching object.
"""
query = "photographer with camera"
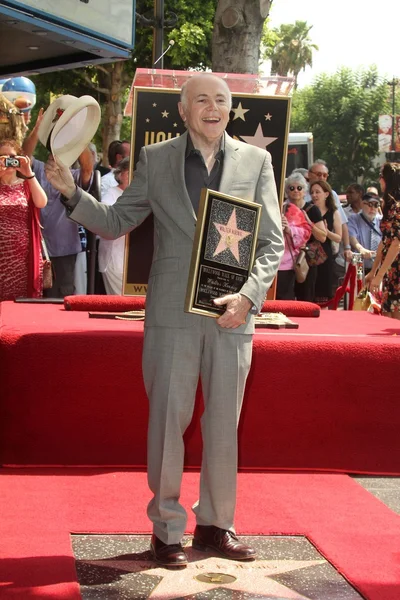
(21, 197)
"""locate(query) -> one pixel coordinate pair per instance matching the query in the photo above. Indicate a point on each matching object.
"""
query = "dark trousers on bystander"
(63, 280)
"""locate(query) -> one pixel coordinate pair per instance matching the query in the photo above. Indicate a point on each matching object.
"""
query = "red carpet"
(309, 403)
(358, 534)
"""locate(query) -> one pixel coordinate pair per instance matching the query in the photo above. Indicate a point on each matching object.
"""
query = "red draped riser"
(322, 397)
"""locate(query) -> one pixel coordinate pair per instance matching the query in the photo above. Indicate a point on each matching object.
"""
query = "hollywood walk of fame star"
(255, 577)
(165, 114)
(239, 112)
(268, 117)
(258, 139)
(230, 236)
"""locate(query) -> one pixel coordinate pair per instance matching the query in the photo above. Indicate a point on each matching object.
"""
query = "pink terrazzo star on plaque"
(230, 236)
(250, 578)
(259, 139)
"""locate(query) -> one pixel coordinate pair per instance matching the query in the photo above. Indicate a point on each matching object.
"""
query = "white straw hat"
(68, 125)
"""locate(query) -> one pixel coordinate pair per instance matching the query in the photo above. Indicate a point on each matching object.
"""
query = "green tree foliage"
(110, 85)
(290, 48)
(341, 111)
(269, 40)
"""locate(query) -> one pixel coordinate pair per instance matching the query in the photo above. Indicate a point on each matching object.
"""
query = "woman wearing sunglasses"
(295, 190)
(386, 268)
(297, 230)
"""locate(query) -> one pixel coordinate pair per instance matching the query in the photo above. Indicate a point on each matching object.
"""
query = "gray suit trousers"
(173, 360)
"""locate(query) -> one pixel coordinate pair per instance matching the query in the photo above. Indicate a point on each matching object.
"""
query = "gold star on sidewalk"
(258, 139)
(255, 578)
(268, 117)
(239, 112)
(165, 114)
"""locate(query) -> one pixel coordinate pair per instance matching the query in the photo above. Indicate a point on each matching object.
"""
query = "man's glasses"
(372, 204)
(298, 188)
(320, 174)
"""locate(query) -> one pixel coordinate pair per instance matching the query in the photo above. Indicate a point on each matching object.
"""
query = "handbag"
(315, 254)
(47, 267)
(367, 301)
(300, 264)
(301, 267)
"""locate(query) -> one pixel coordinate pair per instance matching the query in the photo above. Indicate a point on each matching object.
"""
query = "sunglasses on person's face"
(372, 204)
(298, 188)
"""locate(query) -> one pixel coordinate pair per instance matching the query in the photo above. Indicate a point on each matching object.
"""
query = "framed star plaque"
(223, 250)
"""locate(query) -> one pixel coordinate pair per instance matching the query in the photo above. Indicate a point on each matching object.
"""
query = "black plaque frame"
(215, 275)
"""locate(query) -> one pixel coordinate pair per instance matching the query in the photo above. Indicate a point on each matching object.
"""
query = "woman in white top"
(111, 252)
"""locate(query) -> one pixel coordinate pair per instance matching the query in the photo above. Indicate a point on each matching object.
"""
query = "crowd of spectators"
(314, 221)
(366, 225)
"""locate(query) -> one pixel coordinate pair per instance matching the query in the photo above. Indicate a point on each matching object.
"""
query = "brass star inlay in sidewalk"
(250, 577)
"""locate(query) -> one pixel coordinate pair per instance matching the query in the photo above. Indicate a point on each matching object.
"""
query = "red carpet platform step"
(321, 397)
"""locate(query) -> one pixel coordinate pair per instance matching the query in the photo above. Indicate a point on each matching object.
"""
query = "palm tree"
(294, 50)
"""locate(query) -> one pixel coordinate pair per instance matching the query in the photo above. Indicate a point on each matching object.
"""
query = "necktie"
(375, 239)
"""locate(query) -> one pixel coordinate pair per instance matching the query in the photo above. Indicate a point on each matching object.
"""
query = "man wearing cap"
(179, 347)
(364, 229)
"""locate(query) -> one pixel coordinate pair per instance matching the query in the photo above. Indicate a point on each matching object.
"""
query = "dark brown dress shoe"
(208, 537)
(168, 555)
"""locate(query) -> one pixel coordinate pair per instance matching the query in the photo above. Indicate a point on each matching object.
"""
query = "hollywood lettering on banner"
(262, 121)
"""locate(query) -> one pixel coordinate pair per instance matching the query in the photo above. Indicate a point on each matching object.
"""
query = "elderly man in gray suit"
(179, 347)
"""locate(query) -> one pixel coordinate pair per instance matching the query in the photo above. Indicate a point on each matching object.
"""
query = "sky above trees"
(349, 33)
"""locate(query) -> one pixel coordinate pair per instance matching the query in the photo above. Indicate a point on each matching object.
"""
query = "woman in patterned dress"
(21, 197)
(386, 267)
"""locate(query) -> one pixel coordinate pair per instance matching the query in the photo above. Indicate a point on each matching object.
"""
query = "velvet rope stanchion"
(348, 287)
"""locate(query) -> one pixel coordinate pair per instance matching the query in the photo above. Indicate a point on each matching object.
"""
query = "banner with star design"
(262, 121)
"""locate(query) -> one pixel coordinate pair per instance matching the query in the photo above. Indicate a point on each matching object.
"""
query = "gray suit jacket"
(159, 187)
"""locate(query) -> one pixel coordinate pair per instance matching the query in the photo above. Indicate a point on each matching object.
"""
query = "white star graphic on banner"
(230, 236)
(268, 117)
(147, 120)
(154, 103)
(165, 114)
(250, 578)
(258, 139)
(239, 112)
